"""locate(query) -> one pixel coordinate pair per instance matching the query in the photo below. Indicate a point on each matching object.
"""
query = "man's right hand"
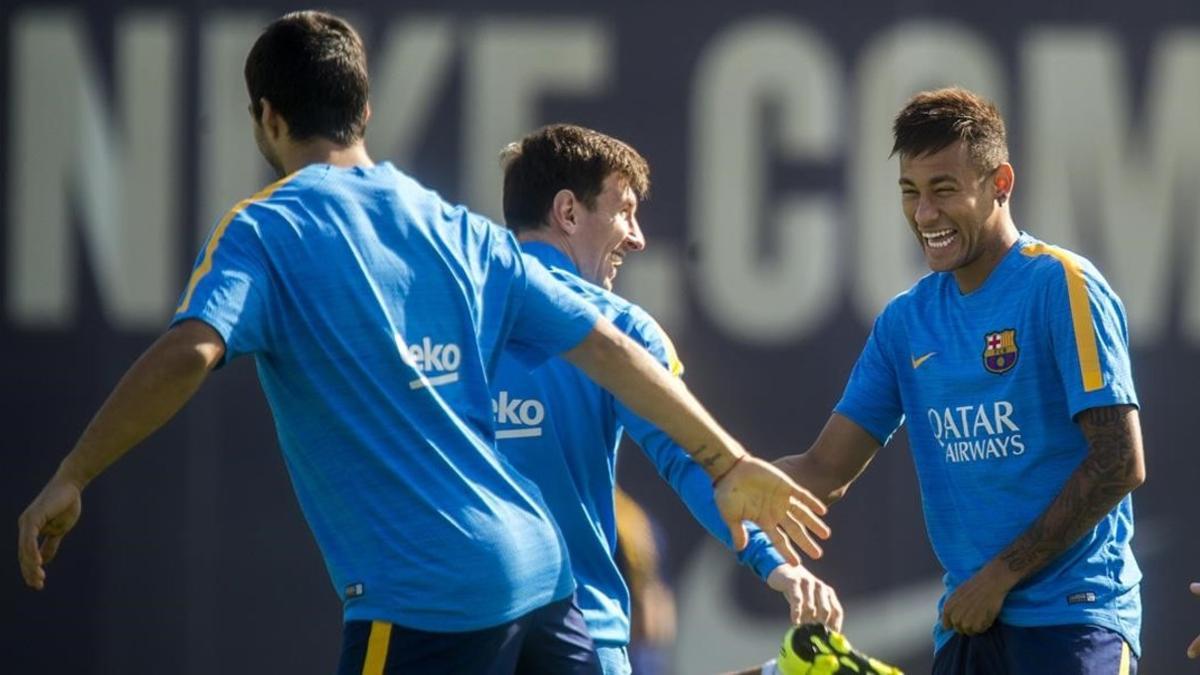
(810, 599)
(44, 524)
(755, 490)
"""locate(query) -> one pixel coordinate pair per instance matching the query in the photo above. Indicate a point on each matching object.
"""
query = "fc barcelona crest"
(1000, 351)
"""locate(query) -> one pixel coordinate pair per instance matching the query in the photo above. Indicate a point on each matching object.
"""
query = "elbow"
(1138, 475)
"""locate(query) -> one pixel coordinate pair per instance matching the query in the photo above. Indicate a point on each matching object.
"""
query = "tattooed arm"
(1114, 466)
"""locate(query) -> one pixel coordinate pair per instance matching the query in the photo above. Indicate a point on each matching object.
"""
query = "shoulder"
(638, 324)
(277, 201)
(1054, 268)
(914, 298)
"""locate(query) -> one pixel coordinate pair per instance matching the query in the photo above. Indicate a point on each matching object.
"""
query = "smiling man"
(1010, 363)
(571, 195)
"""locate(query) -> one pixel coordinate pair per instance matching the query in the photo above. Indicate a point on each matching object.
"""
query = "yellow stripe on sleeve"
(1081, 313)
(377, 648)
(1124, 668)
(673, 362)
(205, 265)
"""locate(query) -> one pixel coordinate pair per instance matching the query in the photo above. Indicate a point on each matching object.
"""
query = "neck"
(972, 275)
(324, 151)
(552, 236)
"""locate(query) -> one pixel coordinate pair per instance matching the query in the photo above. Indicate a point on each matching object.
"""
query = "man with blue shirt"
(375, 313)
(1010, 364)
(571, 196)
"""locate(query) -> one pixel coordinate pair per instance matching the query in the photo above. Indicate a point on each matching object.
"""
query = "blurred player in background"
(571, 196)
(652, 616)
(1010, 363)
(375, 312)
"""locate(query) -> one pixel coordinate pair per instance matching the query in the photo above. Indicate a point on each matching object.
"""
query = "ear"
(367, 113)
(272, 122)
(563, 211)
(1003, 181)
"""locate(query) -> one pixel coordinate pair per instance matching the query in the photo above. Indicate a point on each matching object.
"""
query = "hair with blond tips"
(934, 120)
(564, 157)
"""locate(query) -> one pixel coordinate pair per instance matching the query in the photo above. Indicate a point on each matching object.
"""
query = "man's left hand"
(974, 606)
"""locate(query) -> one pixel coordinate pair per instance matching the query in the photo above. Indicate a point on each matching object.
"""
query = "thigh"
(381, 648)
(981, 654)
(558, 642)
(1068, 650)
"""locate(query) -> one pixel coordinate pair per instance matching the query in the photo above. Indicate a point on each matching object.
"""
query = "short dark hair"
(312, 67)
(564, 156)
(934, 120)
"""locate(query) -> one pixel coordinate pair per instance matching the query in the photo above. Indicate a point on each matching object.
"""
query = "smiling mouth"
(939, 239)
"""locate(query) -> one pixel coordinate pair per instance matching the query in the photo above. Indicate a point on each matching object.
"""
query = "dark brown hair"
(934, 120)
(564, 156)
(312, 68)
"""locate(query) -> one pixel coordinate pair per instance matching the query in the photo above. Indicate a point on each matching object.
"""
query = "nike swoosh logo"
(917, 361)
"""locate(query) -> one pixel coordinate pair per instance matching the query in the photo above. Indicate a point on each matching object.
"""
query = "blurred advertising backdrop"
(775, 236)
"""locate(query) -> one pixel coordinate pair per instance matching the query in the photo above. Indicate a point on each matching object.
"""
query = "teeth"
(939, 239)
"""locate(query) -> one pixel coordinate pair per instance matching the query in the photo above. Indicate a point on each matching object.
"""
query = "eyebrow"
(940, 178)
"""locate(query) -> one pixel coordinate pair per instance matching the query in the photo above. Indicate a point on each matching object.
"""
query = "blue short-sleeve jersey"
(562, 430)
(990, 383)
(376, 313)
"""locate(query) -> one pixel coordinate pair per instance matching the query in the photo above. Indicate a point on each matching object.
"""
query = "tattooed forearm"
(705, 457)
(1112, 469)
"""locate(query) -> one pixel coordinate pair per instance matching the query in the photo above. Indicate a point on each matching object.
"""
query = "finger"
(820, 605)
(810, 520)
(808, 499)
(50, 547)
(782, 545)
(28, 554)
(1195, 587)
(798, 534)
(807, 611)
(1194, 648)
(737, 532)
(836, 614)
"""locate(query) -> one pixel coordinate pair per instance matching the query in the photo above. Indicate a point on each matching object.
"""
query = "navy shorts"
(551, 639)
(1042, 650)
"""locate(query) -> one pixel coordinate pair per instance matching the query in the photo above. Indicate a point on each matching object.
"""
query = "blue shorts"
(550, 639)
(1041, 650)
(614, 660)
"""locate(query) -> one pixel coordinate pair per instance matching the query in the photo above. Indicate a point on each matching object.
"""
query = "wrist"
(1000, 573)
(725, 466)
(69, 471)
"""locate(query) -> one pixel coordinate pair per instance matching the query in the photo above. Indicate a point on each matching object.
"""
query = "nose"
(635, 241)
(926, 212)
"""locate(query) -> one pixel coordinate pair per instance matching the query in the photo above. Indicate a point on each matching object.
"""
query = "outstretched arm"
(747, 487)
(840, 454)
(154, 388)
(1114, 466)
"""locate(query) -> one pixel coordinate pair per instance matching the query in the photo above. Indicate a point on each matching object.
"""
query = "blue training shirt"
(376, 313)
(990, 383)
(562, 430)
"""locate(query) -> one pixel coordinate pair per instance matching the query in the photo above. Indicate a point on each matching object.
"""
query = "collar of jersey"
(550, 256)
(1002, 270)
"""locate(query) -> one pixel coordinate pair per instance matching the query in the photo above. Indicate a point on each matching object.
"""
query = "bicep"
(550, 318)
(197, 336)
(1114, 436)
